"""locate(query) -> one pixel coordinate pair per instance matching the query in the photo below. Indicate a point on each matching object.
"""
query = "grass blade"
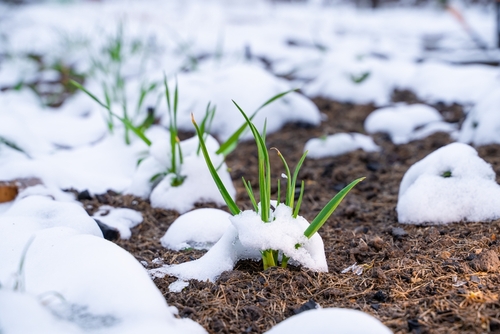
(248, 187)
(288, 190)
(229, 145)
(222, 189)
(324, 214)
(295, 174)
(299, 200)
(264, 169)
(77, 85)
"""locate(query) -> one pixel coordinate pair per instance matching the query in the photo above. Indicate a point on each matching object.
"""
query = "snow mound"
(86, 282)
(122, 219)
(405, 123)
(197, 186)
(449, 185)
(246, 238)
(330, 320)
(250, 86)
(482, 124)
(338, 144)
(185, 230)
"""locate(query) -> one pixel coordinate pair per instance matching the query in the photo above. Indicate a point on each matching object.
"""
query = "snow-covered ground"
(215, 51)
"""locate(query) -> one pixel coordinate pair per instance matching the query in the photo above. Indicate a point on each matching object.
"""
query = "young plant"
(175, 144)
(270, 257)
(127, 122)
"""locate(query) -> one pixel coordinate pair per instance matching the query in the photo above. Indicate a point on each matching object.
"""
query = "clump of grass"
(270, 257)
(175, 144)
(125, 120)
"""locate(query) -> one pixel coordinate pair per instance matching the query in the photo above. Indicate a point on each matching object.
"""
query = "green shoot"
(270, 257)
(220, 185)
(126, 121)
(206, 124)
(248, 187)
(229, 145)
(358, 79)
(12, 146)
(175, 145)
(327, 211)
(299, 201)
(264, 169)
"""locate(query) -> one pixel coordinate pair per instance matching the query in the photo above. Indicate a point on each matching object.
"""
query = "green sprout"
(126, 121)
(175, 143)
(230, 144)
(446, 174)
(360, 78)
(270, 257)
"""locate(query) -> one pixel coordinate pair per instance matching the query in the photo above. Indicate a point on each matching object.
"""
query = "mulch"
(415, 279)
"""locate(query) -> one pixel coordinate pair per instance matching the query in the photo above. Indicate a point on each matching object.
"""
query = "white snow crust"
(405, 123)
(338, 144)
(103, 288)
(199, 229)
(246, 238)
(470, 193)
(122, 219)
(330, 320)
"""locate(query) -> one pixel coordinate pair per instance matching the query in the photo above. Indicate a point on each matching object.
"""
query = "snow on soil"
(338, 144)
(246, 238)
(405, 123)
(217, 51)
(184, 232)
(323, 320)
(122, 219)
(451, 184)
(73, 278)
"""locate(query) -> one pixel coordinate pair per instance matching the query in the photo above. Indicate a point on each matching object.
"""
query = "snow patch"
(451, 184)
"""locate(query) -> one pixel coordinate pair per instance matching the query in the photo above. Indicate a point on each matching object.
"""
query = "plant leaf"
(264, 169)
(329, 208)
(229, 145)
(220, 185)
(299, 200)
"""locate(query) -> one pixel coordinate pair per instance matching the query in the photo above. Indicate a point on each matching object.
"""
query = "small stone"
(475, 279)
(109, 233)
(310, 305)
(398, 232)
(84, 195)
(381, 296)
(486, 261)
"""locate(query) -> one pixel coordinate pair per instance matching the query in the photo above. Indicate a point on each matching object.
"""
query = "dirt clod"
(487, 261)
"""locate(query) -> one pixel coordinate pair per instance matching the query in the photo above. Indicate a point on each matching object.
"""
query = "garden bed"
(417, 279)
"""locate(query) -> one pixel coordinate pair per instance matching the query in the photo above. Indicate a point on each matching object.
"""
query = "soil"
(415, 279)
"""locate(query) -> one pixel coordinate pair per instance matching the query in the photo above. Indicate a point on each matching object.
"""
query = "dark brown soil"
(430, 279)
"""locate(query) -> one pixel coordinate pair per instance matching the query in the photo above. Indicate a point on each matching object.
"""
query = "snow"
(405, 123)
(184, 232)
(324, 320)
(182, 198)
(338, 144)
(214, 50)
(246, 238)
(122, 219)
(482, 124)
(249, 86)
(103, 288)
(470, 193)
